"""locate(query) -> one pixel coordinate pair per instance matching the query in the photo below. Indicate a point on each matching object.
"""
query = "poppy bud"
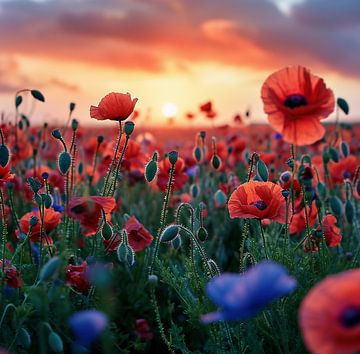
(213, 267)
(170, 233)
(202, 234)
(56, 134)
(64, 162)
(55, 342)
(322, 190)
(345, 149)
(216, 162)
(326, 157)
(4, 155)
(80, 168)
(306, 159)
(334, 154)
(106, 231)
(262, 170)
(18, 101)
(349, 211)
(50, 268)
(74, 124)
(46, 200)
(343, 105)
(153, 279)
(285, 193)
(194, 190)
(33, 221)
(220, 198)
(72, 106)
(37, 95)
(173, 157)
(24, 338)
(151, 170)
(34, 184)
(176, 243)
(129, 127)
(126, 254)
(45, 175)
(203, 134)
(198, 154)
(100, 139)
(336, 205)
(290, 163)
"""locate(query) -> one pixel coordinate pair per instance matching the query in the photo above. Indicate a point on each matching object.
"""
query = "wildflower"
(180, 179)
(296, 101)
(5, 175)
(87, 326)
(261, 200)
(114, 106)
(298, 221)
(143, 330)
(241, 296)
(344, 169)
(331, 232)
(139, 238)
(329, 316)
(51, 219)
(77, 278)
(88, 211)
(12, 277)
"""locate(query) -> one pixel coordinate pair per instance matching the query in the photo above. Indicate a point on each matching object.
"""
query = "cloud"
(147, 35)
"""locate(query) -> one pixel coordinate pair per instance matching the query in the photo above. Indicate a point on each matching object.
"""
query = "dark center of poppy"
(294, 101)
(350, 317)
(260, 204)
(346, 174)
(78, 209)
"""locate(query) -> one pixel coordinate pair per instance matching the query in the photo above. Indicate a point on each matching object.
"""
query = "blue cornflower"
(241, 296)
(87, 326)
(278, 136)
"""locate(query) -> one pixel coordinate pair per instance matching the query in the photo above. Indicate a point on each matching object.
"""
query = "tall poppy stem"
(113, 159)
(263, 238)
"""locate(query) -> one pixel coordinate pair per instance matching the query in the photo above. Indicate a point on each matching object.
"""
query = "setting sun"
(169, 110)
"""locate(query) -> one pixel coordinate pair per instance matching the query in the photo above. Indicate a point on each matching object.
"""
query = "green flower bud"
(64, 162)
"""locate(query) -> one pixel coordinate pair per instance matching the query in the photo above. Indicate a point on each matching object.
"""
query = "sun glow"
(169, 110)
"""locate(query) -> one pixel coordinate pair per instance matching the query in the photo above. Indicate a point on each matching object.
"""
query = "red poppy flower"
(206, 107)
(142, 329)
(329, 316)
(180, 176)
(139, 238)
(52, 219)
(77, 278)
(296, 101)
(88, 211)
(261, 200)
(114, 106)
(331, 231)
(298, 221)
(5, 175)
(344, 169)
(12, 277)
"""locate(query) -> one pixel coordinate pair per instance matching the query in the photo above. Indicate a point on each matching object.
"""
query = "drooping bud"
(151, 168)
(56, 134)
(106, 231)
(125, 253)
(220, 198)
(202, 234)
(18, 101)
(170, 233)
(64, 162)
(37, 95)
(55, 342)
(345, 149)
(336, 206)
(176, 243)
(334, 154)
(24, 338)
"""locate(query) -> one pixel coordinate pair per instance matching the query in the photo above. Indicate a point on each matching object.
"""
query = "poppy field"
(242, 238)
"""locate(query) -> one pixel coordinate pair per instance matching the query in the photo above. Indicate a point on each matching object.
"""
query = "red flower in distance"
(114, 106)
(77, 278)
(298, 221)
(344, 169)
(143, 330)
(331, 231)
(11, 275)
(138, 236)
(329, 316)
(87, 210)
(261, 200)
(180, 176)
(296, 101)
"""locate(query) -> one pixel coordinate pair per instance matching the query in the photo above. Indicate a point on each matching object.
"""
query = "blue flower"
(278, 136)
(241, 296)
(87, 326)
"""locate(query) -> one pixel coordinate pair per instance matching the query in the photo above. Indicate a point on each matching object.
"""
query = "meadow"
(241, 238)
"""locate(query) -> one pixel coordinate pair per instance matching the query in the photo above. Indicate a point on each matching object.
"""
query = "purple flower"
(87, 326)
(241, 296)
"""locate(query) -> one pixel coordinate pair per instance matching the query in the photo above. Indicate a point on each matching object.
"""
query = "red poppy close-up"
(52, 219)
(138, 236)
(261, 200)
(114, 106)
(329, 316)
(87, 210)
(295, 101)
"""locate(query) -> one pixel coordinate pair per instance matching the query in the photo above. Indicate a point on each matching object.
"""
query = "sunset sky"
(183, 52)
